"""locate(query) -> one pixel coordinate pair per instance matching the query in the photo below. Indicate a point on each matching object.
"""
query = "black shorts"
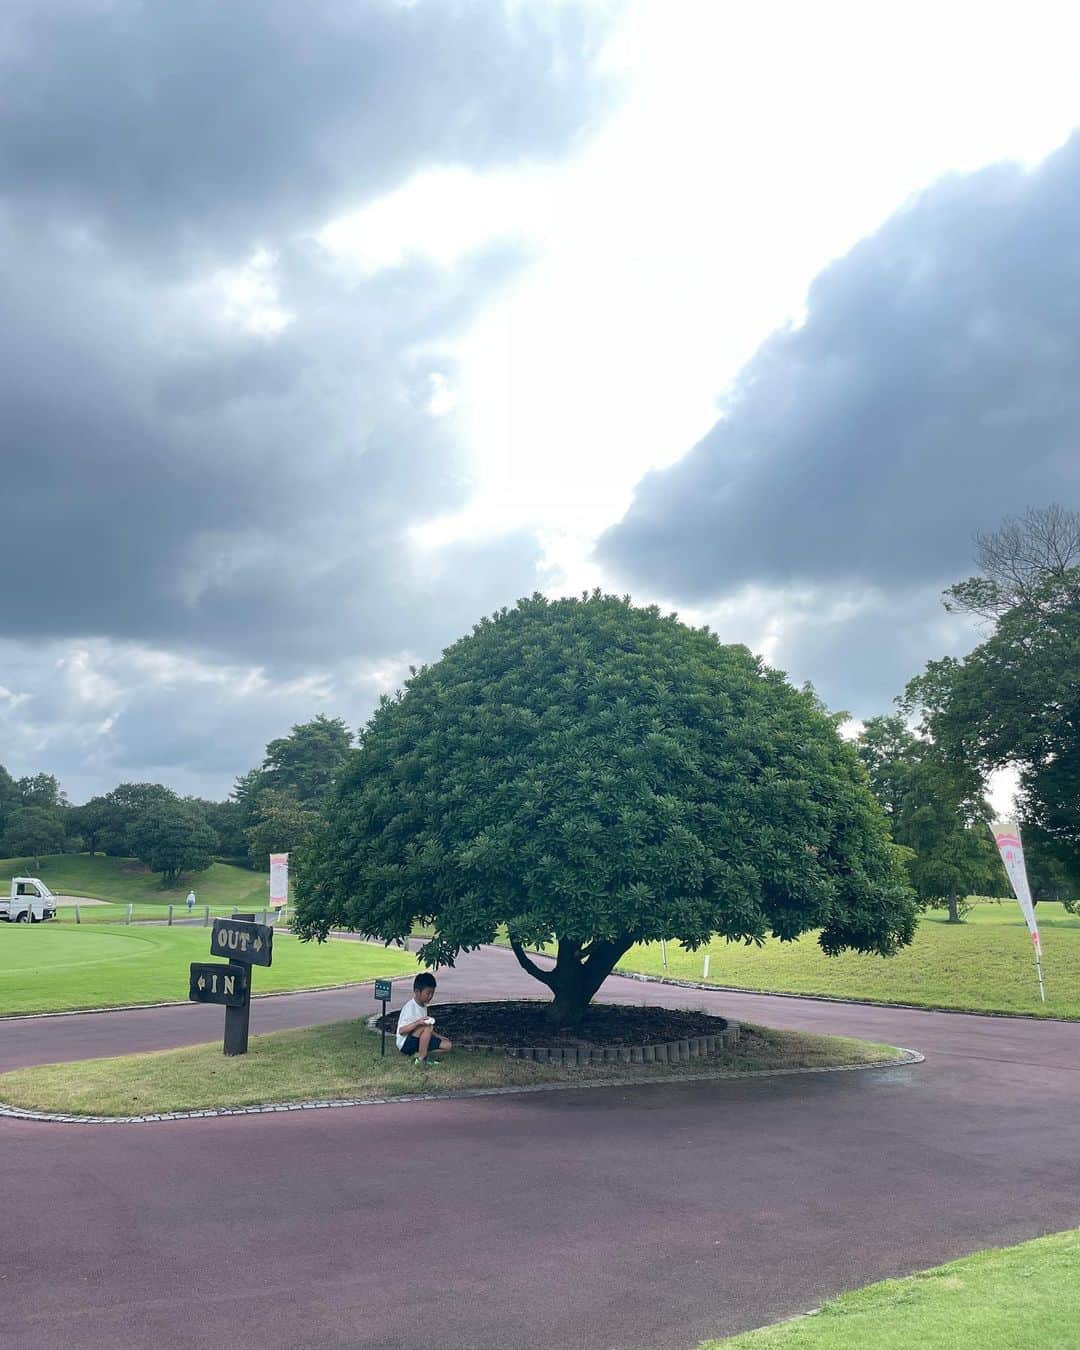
(412, 1045)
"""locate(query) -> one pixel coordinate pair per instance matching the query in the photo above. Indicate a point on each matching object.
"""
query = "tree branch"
(601, 950)
(569, 950)
(528, 966)
(602, 959)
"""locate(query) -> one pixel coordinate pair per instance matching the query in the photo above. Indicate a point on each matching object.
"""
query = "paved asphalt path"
(610, 1219)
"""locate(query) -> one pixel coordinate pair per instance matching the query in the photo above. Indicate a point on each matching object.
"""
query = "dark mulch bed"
(525, 1023)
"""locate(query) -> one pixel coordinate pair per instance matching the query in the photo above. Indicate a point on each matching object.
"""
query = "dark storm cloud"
(209, 488)
(206, 127)
(201, 485)
(932, 389)
(859, 655)
(207, 520)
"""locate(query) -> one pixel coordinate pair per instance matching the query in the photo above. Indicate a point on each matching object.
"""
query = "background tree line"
(271, 809)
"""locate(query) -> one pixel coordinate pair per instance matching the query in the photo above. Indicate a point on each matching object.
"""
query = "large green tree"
(172, 837)
(31, 831)
(105, 822)
(9, 797)
(87, 821)
(275, 801)
(303, 764)
(41, 789)
(1015, 700)
(936, 810)
(226, 819)
(1049, 877)
(591, 775)
(281, 825)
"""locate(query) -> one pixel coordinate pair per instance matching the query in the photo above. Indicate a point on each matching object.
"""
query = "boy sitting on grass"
(414, 1029)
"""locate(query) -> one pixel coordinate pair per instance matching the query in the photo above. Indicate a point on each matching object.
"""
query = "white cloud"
(757, 143)
(248, 296)
(440, 216)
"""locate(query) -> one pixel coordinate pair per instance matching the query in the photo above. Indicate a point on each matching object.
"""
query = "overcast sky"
(326, 328)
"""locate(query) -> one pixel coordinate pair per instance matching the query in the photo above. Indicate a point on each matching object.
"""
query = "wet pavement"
(606, 1219)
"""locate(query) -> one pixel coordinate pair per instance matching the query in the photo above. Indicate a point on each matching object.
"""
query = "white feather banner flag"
(1007, 837)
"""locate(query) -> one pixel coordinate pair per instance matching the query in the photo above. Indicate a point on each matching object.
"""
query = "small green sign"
(382, 990)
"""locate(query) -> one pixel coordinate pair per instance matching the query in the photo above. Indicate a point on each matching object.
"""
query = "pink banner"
(279, 880)
(1007, 837)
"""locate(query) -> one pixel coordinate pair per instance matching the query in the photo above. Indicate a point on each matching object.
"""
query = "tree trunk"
(954, 908)
(579, 971)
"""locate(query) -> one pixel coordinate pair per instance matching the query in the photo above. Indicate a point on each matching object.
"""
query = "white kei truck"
(30, 901)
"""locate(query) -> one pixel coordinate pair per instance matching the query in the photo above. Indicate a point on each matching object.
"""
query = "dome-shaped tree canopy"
(586, 772)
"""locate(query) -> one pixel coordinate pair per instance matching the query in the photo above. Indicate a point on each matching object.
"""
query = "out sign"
(252, 944)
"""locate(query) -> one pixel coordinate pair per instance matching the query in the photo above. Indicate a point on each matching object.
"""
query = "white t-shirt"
(412, 1012)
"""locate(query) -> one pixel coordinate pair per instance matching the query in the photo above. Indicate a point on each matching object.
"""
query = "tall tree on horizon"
(935, 810)
(1014, 701)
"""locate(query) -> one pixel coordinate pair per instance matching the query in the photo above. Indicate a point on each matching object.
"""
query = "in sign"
(226, 984)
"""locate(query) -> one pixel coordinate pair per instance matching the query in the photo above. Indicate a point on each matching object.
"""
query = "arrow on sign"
(202, 981)
(258, 944)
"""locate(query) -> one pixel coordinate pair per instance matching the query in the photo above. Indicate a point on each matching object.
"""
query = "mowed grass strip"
(1011, 1298)
(107, 913)
(124, 880)
(47, 968)
(343, 1060)
(985, 964)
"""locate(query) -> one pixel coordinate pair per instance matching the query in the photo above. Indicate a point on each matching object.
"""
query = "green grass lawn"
(125, 880)
(52, 968)
(343, 1060)
(984, 964)
(1012, 1298)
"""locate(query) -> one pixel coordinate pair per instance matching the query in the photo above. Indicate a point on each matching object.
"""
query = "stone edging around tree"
(18, 1113)
(668, 1052)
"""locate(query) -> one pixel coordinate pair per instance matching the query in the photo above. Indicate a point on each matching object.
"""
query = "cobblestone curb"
(668, 1052)
(17, 1113)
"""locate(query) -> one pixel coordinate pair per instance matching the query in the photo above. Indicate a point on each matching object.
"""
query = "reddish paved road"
(608, 1219)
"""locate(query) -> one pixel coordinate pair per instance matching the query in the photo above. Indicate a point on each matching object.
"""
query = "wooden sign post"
(245, 944)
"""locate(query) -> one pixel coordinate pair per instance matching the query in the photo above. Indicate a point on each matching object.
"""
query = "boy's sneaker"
(426, 1063)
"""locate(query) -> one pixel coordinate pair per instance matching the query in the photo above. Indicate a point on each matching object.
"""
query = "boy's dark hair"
(423, 981)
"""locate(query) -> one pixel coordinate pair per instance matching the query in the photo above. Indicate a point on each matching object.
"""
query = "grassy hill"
(126, 881)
